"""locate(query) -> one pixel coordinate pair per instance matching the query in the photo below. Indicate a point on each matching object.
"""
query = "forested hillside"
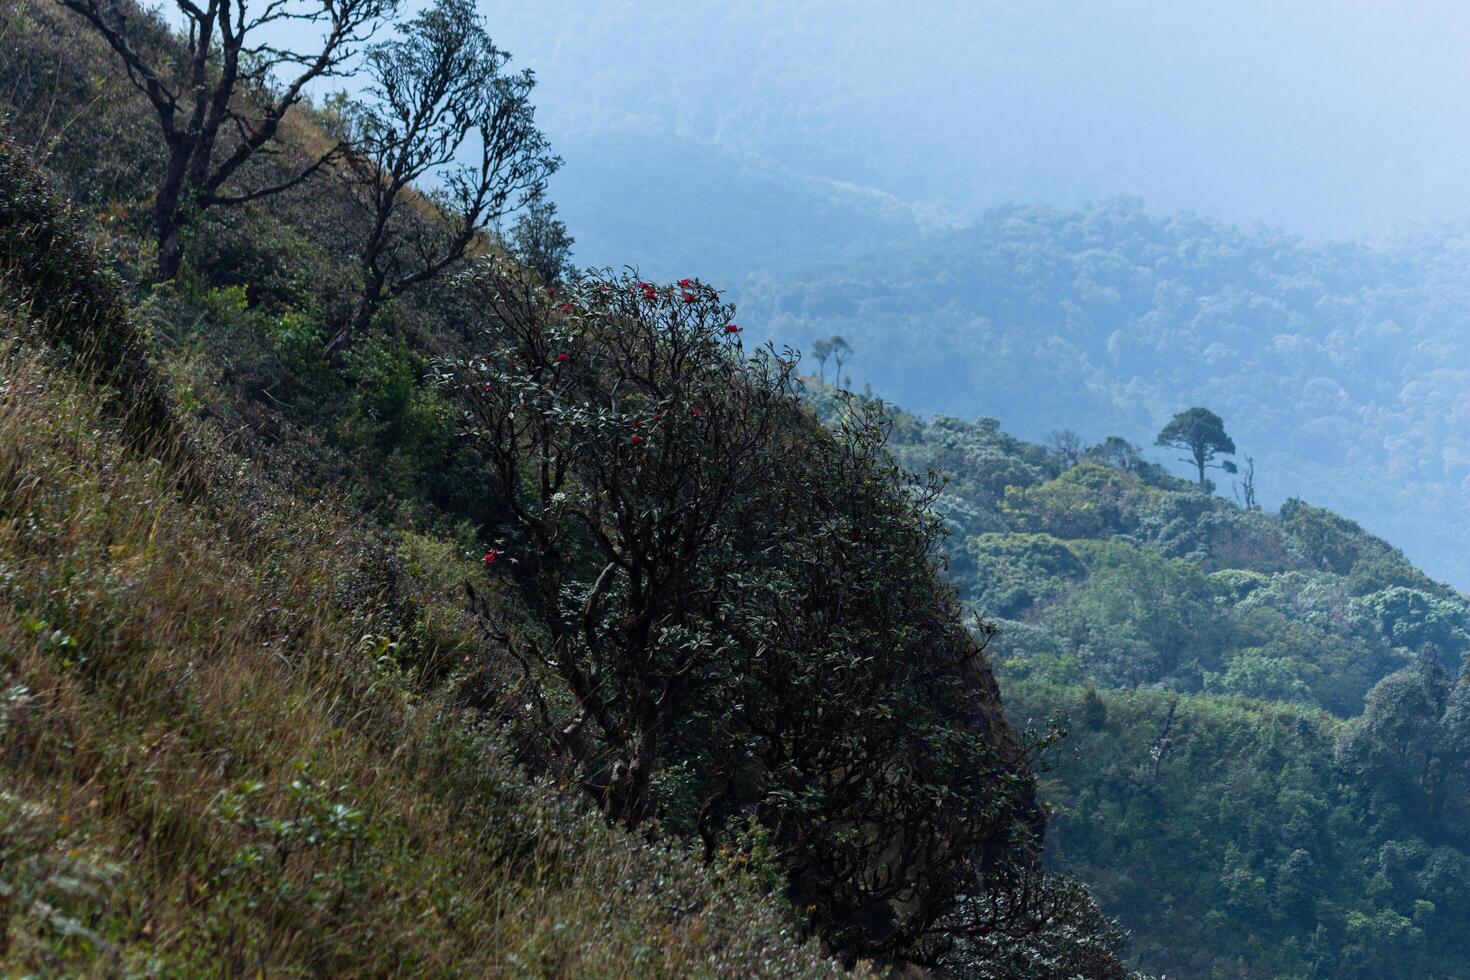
(379, 598)
(1341, 367)
(1268, 764)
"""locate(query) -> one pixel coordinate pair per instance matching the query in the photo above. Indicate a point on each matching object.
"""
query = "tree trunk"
(626, 799)
(166, 205)
(362, 318)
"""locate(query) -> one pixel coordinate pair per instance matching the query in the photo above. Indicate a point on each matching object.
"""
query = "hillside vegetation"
(493, 625)
(1268, 764)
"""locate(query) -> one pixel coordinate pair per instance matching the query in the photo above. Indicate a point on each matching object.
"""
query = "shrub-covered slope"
(1268, 766)
(213, 757)
(269, 709)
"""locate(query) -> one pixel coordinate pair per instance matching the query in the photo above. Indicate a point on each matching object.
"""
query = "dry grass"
(206, 769)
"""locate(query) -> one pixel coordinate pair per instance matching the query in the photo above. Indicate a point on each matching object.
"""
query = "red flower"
(486, 386)
(566, 307)
(563, 358)
(686, 283)
(550, 291)
(731, 328)
(649, 294)
(645, 285)
(637, 440)
(688, 297)
(696, 411)
(491, 555)
(658, 416)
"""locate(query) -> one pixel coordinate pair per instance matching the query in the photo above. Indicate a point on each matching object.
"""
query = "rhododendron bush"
(749, 639)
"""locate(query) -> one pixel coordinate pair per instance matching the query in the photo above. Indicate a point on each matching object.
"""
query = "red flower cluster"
(491, 555)
(637, 440)
(486, 386)
(550, 291)
(566, 307)
(563, 358)
(688, 297)
(731, 328)
(686, 283)
(696, 411)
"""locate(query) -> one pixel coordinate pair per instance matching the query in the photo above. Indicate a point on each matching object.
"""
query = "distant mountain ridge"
(1341, 368)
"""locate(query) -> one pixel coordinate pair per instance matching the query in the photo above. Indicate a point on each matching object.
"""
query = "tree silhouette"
(221, 95)
(821, 350)
(1201, 433)
(442, 113)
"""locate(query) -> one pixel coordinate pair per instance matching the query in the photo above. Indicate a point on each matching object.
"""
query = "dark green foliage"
(1239, 830)
(1410, 750)
(1240, 848)
(57, 277)
(1200, 433)
(541, 243)
(746, 609)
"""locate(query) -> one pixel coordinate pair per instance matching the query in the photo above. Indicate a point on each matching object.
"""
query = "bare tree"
(1067, 445)
(1245, 490)
(439, 95)
(221, 81)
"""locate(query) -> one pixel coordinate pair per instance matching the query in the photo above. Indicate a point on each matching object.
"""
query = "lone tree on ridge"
(1201, 433)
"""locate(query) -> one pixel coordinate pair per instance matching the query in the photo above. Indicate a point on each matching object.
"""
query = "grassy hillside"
(216, 759)
(212, 761)
(1267, 770)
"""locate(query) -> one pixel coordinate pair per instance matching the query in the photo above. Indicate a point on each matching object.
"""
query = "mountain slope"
(1268, 766)
(269, 709)
(214, 754)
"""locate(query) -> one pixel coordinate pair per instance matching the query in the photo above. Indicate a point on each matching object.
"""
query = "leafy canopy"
(1201, 433)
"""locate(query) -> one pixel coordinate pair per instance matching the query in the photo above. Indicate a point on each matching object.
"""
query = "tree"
(736, 594)
(1398, 745)
(226, 81)
(1245, 492)
(1201, 433)
(1118, 453)
(821, 350)
(541, 242)
(841, 351)
(620, 434)
(1066, 445)
(439, 91)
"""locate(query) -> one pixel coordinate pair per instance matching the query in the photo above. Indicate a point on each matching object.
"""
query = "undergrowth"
(214, 760)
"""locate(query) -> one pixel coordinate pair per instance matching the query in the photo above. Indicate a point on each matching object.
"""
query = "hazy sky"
(1325, 117)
